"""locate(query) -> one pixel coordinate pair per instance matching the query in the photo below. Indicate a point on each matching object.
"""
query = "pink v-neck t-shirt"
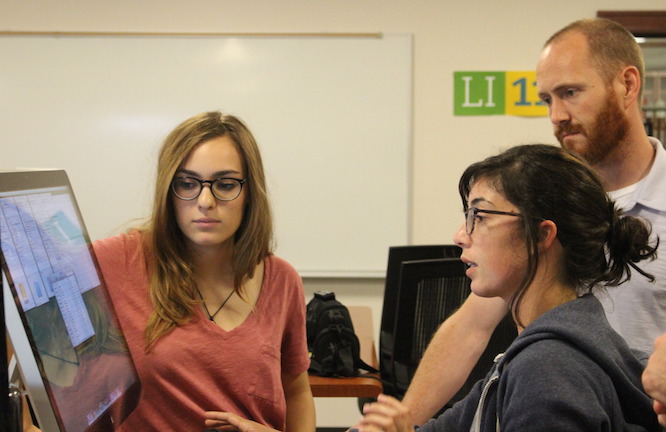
(199, 366)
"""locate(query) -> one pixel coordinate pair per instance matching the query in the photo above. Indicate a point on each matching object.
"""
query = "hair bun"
(628, 243)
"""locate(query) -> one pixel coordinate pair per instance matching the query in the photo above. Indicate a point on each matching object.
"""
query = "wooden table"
(367, 385)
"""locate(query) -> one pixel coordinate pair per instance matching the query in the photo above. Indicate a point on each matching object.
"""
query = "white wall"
(448, 36)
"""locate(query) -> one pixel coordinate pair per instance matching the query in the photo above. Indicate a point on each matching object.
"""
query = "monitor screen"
(69, 345)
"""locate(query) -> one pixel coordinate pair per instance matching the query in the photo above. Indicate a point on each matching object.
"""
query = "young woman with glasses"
(541, 234)
(213, 320)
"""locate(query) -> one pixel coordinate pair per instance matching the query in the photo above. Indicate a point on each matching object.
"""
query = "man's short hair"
(611, 45)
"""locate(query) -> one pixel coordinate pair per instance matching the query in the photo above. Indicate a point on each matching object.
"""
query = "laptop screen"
(64, 323)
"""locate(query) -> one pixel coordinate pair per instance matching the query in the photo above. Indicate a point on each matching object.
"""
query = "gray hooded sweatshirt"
(567, 371)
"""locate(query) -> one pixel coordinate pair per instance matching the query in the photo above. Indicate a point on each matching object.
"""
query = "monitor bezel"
(27, 362)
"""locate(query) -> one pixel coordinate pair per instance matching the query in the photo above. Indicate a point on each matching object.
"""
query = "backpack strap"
(360, 364)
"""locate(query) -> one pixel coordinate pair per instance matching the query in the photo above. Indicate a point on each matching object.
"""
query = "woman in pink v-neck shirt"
(213, 320)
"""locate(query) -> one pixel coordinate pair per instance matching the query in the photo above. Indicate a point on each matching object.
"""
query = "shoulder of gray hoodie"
(568, 370)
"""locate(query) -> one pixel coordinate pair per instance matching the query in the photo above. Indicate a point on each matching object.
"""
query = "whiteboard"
(332, 115)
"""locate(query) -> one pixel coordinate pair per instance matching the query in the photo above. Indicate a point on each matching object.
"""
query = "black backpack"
(333, 345)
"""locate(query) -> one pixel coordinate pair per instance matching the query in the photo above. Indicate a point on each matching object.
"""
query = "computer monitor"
(71, 352)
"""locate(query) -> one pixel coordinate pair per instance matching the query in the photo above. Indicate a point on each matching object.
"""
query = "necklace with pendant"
(212, 317)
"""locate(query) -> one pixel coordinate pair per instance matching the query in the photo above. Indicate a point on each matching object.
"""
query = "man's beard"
(609, 128)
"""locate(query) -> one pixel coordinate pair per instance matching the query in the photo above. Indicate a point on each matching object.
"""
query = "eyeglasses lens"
(470, 216)
(226, 189)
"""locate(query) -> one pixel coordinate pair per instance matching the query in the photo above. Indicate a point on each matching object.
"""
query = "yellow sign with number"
(521, 95)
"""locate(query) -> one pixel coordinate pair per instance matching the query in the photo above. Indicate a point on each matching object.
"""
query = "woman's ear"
(547, 234)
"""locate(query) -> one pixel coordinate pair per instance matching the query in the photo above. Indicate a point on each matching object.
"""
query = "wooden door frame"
(640, 23)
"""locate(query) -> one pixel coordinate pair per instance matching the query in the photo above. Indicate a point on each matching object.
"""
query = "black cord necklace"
(212, 317)
(44, 353)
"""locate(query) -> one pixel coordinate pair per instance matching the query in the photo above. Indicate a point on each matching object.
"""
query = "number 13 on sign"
(497, 93)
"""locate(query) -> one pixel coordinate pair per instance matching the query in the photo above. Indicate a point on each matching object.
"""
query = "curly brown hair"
(545, 182)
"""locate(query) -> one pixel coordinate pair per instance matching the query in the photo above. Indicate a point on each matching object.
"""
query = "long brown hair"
(172, 284)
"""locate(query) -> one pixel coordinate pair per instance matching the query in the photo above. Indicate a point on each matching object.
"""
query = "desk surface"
(368, 385)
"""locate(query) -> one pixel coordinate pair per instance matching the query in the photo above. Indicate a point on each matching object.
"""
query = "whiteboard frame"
(369, 219)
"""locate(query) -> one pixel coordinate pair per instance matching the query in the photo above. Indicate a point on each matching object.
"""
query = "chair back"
(429, 292)
(396, 255)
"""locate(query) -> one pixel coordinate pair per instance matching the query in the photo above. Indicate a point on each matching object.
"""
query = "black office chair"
(396, 255)
(430, 291)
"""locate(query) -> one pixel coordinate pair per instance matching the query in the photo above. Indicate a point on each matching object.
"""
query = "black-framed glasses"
(224, 189)
(470, 217)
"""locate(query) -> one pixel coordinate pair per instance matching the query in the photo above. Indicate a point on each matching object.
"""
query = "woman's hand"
(232, 422)
(386, 415)
(660, 410)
